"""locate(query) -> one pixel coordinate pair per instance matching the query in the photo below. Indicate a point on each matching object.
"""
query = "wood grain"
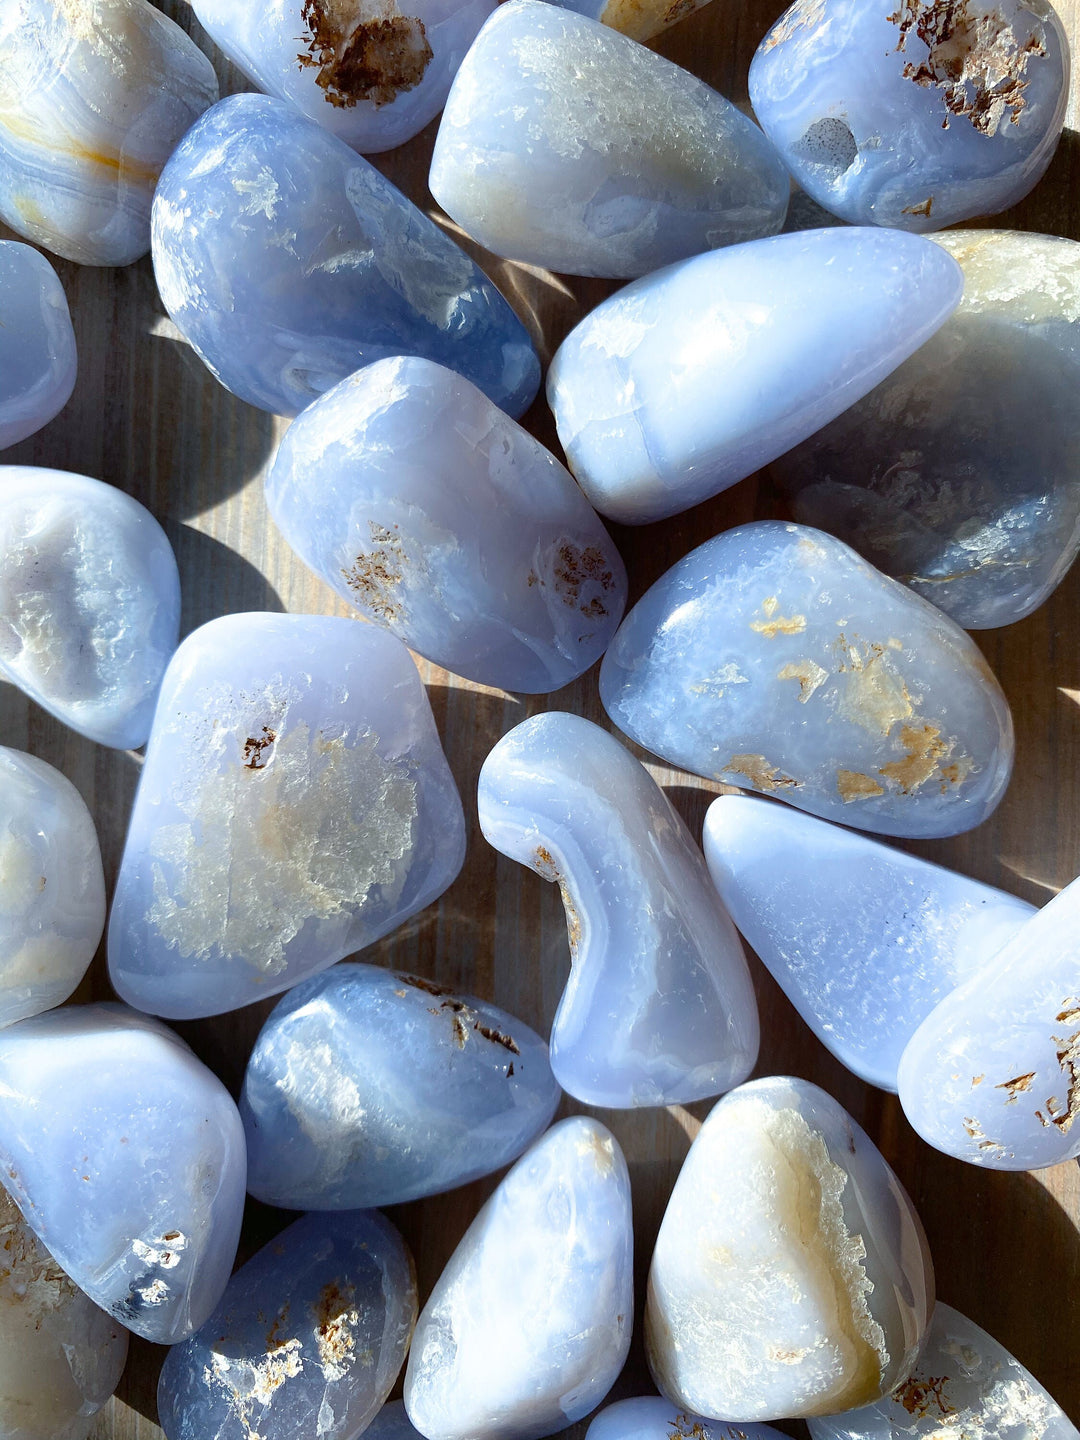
(146, 416)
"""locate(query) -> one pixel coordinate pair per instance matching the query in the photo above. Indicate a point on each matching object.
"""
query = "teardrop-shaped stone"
(308, 1339)
(295, 806)
(659, 1008)
(774, 657)
(437, 516)
(126, 1155)
(289, 262)
(529, 1324)
(992, 1075)
(37, 344)
(693, 378)
(367, 1087)
(864, 940)
(650, 1417)
(791, 1275)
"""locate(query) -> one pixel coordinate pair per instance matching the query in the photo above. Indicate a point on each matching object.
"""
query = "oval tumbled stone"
(38, 361)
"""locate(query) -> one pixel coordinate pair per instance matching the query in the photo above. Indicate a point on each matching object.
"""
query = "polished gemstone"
(650, 1417)
(37, 343)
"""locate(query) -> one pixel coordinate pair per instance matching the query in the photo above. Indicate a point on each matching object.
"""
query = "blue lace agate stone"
(37, 344)
(917, 113)
(864, 941)
(370, 73)
(308, 1339)
(529, 1325)
(289, 262)
(774, 657)
(568, 145)
(126, 1155)
(295, 805)
(367, 1087)
(693, 378)
(437, 516)
(659, 1008)
(650, 1417)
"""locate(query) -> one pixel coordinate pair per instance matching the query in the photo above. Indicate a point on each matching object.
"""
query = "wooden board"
(146, 416)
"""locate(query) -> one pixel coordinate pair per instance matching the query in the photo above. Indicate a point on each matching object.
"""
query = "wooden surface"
(147, 417)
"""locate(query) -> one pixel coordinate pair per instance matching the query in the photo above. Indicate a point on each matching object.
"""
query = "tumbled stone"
(773, 657)
(529, 1324)
(992, 1075)
(52, 889)
(964, 1386)
(289, 262)
(960, 473)
(89, 602)
(367, 1087)
(864, 940)
(421, 503)
(567, 145)
(61, 1357)
(308, 1339)
(659, 1008)
(295, 806)
(37, 344)
(640, 19)
(126, 1155)
(791, 1275)
(94, 95)
(650, 1417)
(691, 379)
(915, 114)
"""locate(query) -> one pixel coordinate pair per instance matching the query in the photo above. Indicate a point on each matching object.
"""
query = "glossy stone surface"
(126, 1155)
(289, 262)
(773, 657)
(421, 503)
(529, 1324)
(371, 73)
(52, 889)
(367, 1087)
(37, 343)
(89, 602)
(60, 1356)
(915, 115)
(960, 473)
(94, 96)
(791, 1275)
(650, 1417)
(864, 940)
(992, 1075)
(308, 1339)
(567, 145)
(659, 1008)
(295, 805)
(693, 378)
(964, 1384)
(640, 19)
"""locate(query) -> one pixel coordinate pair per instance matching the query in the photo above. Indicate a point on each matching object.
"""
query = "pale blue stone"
(308, 1339)
(650, 1417)
(773, 657)
(695, 377)
(992, 1075)
(915, 114)
(964, 1384)
(863, 939)
(659, 1008)
(89, 602)
(126, 1155)
(529, 1325)
(37, 344)
(366, 1087)
(567, 145)
(289, 262)
(295, 806)
(437, 516)
(372, 75)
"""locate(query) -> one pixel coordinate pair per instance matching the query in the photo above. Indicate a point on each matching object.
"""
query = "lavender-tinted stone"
(37, 343)
(651, 1417)
(366, 1087)
(289, 262)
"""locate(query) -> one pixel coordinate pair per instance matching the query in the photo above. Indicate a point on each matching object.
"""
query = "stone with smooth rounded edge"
(650, 1417)
(393, 1423)
(37, 344)
(640, 19)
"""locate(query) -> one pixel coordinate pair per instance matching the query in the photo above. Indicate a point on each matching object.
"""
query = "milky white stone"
(863, 939)
(89, 602)
(37, 344)
(529, 1324)
(650, 1417)
(791, 1275)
